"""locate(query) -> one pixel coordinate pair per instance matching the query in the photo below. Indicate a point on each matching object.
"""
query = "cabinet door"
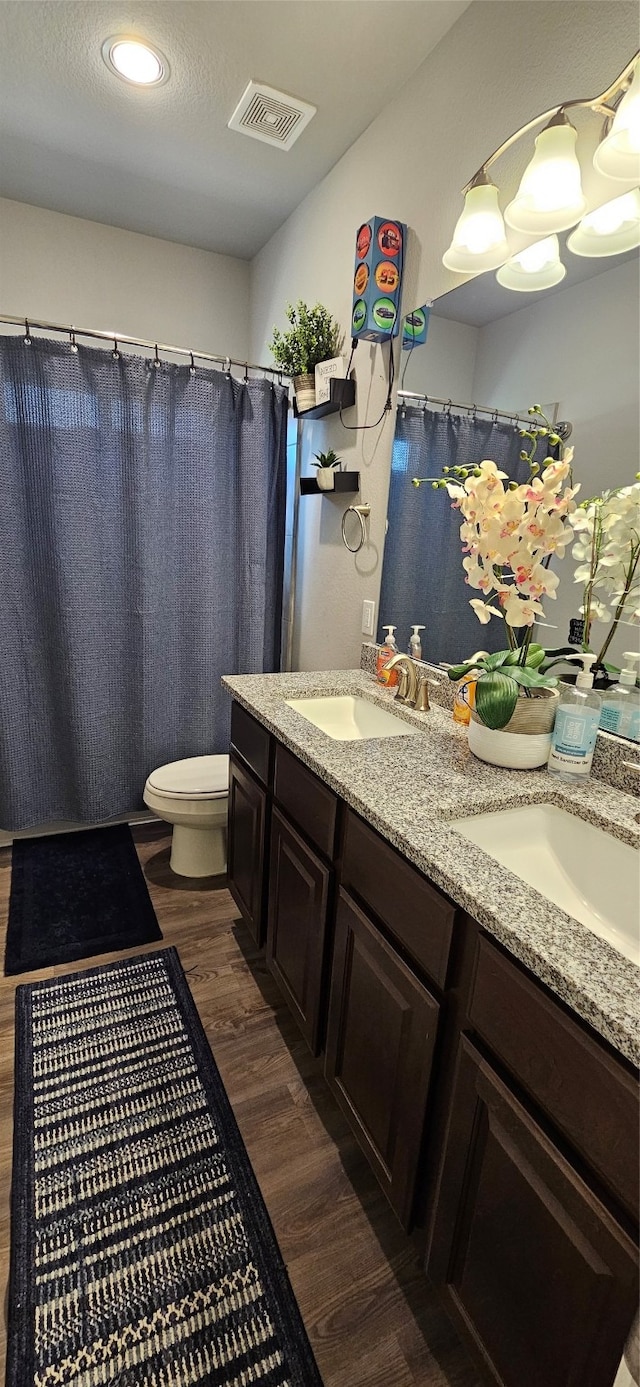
(299, 886)
(247, 828)
(380, 1039)
(531, 1263)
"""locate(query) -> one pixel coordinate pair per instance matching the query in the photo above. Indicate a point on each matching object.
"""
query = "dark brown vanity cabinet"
(299, 895)
(542, 1149)
(380, 1039)
(495, 1120)
(533, 1265)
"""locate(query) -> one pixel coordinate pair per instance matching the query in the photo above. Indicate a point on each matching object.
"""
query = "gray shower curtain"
(142, 520)
(423, 579)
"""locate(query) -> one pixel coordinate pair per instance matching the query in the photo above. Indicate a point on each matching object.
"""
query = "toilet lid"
(198, 777)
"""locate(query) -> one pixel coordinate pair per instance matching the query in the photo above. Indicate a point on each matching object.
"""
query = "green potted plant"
(327, 463)
(509, 533)
(314, 336)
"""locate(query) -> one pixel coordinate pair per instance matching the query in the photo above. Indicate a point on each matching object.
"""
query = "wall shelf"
(344, 482)
(342, 396)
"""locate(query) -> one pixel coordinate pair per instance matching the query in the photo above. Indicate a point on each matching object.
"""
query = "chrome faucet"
(411, 692)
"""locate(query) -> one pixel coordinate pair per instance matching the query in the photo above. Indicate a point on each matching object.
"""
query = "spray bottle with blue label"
(576, 726)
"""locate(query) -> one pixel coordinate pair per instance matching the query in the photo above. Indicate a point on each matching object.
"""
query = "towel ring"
(362, 512)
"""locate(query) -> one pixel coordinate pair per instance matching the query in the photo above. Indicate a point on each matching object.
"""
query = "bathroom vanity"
(480, 1042)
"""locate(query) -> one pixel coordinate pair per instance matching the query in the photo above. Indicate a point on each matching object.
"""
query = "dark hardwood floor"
(370, 1315)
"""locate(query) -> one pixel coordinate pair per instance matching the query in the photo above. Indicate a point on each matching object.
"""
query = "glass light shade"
(479, 240)
(537, 267)
(550, 196)
(618, 156)
(609, 230)
(135, 61)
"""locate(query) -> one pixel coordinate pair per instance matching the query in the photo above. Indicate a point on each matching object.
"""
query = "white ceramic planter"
(326, 478)
(516, 751)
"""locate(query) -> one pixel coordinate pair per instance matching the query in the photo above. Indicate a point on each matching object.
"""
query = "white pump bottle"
(576, 726)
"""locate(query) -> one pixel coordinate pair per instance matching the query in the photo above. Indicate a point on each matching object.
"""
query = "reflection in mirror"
(489, 354)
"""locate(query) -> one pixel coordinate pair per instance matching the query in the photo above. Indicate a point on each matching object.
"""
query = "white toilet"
(193, 795)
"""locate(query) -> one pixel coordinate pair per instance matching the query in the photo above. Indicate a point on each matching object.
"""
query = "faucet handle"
(422, 704)
(403, 685)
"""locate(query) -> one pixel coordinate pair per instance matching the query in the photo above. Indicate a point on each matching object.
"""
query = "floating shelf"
(344, 482)
(342, 396)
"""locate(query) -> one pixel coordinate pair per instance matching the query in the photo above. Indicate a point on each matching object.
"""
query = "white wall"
(64, 269)
(580, 347)
(499, 65)
(445, 365)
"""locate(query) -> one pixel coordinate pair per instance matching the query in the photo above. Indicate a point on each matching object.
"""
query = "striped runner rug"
(142, 1252)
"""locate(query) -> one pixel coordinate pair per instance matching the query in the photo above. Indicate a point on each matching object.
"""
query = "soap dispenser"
(576, 726)
(386, 653)
(415, 644)
(621, 704)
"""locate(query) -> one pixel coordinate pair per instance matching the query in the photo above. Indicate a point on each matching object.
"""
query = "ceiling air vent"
(270, 115)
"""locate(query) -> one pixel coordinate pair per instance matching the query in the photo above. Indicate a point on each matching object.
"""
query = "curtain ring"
(28, 340)
(192, 368)
(474, 414)
(115, 353)
(494, 419)
(227, 366)
(72, 340)
(156, 363)
(447, 408)
(246, 372)
(361, 512)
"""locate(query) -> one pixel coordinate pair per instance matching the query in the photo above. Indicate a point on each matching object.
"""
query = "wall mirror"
(490, 353)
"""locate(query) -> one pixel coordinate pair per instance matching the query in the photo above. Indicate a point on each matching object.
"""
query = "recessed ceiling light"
(135, 61)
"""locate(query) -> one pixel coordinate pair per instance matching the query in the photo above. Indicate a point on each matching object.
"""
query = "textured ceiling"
(75, 139)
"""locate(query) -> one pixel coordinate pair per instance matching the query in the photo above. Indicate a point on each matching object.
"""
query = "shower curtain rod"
(122, 338)
(470, 409)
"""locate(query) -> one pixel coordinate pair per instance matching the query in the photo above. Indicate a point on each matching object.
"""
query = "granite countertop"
(409, 788)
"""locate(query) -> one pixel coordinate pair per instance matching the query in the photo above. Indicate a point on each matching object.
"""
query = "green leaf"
(458, 671)
(530, 678)
(495, 661)
(496, 698)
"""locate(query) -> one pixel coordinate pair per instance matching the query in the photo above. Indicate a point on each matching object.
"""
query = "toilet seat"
(196, 778)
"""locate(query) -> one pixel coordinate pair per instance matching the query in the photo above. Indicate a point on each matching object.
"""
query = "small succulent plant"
(329, 459)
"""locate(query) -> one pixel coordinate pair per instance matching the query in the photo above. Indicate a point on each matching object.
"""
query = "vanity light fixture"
(479, 240)
(618, 155)
(550, 196)
(611, 229)
(135, 61)
(537, 267)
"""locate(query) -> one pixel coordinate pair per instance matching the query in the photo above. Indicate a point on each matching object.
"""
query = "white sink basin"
(587, 872)
(349, 719)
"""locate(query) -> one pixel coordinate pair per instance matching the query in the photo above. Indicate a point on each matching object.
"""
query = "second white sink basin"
(586, 872)
(349, 719)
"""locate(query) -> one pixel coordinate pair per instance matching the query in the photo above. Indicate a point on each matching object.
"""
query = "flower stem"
(635, 558)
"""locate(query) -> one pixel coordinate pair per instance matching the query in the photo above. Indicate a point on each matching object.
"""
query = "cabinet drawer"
(252, 741)
(311, 805)
(589, 1096)
(419, 917)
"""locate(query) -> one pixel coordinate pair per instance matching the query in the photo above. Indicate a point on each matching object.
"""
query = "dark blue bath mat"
(142, 1253)
(75, 895)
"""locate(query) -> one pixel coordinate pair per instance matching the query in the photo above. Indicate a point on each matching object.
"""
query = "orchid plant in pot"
(508, 535)
(607, 550)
